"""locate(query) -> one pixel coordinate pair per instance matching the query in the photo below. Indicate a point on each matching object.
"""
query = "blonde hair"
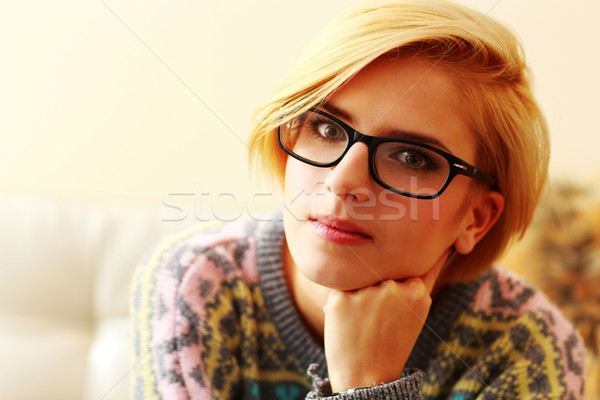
(488, 64)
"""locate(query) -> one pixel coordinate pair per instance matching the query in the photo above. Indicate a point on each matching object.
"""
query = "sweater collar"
(293, 333)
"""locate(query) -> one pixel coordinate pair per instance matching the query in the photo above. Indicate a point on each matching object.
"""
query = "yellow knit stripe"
(143, 283)
(551, 365)
(283, 376)
(215, 361)
(453, 350)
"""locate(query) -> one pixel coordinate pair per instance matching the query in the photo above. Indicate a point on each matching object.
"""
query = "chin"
(334, 274)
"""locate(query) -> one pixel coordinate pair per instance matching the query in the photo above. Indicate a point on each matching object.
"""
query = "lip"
(339, 230)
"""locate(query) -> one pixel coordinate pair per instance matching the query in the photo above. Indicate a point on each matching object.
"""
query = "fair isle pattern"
(242, 326)
(551, 365)
(499, 347)
(200, 317)
(213, 319)
(141, 302)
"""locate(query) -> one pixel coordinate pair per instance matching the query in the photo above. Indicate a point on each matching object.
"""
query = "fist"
(369, 333)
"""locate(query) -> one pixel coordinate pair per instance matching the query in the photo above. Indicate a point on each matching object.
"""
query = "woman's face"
(342, 229)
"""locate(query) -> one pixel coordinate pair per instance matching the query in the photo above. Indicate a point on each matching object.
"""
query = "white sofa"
(64, 292)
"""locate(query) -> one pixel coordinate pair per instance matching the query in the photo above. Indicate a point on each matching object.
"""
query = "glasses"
(405, 167)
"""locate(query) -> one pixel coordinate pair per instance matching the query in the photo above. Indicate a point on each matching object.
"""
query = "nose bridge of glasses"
(357, 137)
(352, 169)
(362, 138)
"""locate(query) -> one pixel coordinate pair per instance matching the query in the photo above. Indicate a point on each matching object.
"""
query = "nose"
(351, 176)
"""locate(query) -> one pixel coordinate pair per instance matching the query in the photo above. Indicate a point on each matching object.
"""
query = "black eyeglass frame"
(457, 165)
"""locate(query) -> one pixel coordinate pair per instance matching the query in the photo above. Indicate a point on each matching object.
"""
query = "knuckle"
(417, 288)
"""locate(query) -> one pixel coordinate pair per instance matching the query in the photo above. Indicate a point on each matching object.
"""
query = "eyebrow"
(397, 133)
(338, 112)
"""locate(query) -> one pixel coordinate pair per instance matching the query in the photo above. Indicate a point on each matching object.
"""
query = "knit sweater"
(213, 319)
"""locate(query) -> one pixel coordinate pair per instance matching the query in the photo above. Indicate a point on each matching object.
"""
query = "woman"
(411, 152)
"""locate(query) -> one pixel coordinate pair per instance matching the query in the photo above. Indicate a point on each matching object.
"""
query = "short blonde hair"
(487, 61)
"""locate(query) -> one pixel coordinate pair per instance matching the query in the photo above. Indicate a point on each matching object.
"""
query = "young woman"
(411, 151)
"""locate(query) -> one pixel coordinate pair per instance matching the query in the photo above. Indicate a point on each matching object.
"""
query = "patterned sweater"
(213, 319)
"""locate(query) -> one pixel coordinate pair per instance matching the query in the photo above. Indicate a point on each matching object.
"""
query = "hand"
(370, 332)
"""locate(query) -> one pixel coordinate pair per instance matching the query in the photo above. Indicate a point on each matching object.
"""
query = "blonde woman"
(410, 151)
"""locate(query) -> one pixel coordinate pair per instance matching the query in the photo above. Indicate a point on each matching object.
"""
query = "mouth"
(339, 230)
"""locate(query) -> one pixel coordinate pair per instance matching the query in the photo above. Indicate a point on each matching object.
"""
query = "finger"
(430, 277)
(334, 296)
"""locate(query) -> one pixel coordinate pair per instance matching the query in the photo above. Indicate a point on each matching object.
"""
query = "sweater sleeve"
(186, 325)
(528, 360)
(509, 342)
(150, 351)
(527, 348)
(409, 387)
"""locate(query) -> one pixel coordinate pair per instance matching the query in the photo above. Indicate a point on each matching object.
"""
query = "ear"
(480, 218)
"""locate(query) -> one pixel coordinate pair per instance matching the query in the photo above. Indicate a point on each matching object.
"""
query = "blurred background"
(124, 121)
(132, 100)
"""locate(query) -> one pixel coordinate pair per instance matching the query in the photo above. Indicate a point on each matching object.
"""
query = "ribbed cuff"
(409, 387)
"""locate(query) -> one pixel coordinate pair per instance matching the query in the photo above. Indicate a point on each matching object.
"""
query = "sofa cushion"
(64, 293)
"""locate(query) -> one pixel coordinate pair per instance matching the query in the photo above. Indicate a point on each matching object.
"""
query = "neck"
(308, 297)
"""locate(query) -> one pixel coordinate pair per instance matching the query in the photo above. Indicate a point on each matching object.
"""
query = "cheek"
(293, 185)
(412, 248)
(428, 229)
(302, 183)
(416, 212)
(444, 211)
(441, 222)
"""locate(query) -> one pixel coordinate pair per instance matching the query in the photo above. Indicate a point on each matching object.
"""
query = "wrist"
(341, 382)
(364, 378)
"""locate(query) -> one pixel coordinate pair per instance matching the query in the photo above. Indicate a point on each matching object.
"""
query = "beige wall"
(132, 101)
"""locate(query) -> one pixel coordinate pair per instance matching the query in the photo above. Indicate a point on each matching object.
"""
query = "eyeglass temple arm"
(473, 172)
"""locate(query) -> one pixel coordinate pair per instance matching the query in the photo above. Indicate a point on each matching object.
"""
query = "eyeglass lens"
(406, 167)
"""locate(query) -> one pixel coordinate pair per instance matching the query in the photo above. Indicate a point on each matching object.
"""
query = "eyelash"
(314, 123)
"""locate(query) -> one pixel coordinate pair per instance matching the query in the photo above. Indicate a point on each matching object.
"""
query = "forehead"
(407, 94)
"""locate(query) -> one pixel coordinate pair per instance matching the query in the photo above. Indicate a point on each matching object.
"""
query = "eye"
(325, 129)
(330, 131)
(412, 159)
